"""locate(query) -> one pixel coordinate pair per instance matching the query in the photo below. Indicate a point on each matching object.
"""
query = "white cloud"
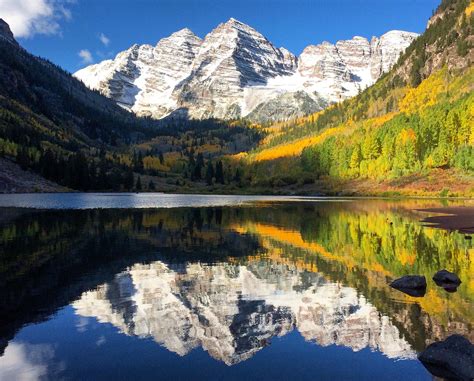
(29, 17)
(104, 39)
(29, 362)
(86, 56)
(101, 341)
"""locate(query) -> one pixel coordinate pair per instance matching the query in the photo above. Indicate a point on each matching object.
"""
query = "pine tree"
(209, 172)
(103, 180)
(138, 186)
(198, 166)
(356, 158)
(370, 148)
(219, 172)
(237, 176)
(128, 180)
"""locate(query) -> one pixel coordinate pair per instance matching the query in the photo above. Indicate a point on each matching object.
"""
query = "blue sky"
(66, 31)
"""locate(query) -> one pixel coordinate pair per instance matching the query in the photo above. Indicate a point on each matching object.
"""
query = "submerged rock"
(413, 285)
(444, 277)
(452, 358)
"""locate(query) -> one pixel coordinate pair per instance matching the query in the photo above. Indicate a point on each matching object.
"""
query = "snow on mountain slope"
(236, 72)
(232, 57)
(143, 77)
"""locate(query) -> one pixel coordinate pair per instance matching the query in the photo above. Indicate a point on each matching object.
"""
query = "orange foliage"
(470, 9)
(407, 136)
(295, 147)
(294, 239)
(380, 120)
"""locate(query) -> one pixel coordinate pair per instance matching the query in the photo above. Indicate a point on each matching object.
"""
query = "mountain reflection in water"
(233, 310)
(230, 280)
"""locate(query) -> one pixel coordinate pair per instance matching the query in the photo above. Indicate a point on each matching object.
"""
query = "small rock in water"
(413, 285)
(449, 287)
(445, 277)
(452, 358)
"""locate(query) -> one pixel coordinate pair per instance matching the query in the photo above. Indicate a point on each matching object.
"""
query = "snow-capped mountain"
(236, 72)
(233, 311)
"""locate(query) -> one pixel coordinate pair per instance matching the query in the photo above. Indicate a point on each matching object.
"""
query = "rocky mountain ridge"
(236, 72)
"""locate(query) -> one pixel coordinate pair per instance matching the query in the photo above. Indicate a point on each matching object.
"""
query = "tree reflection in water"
(229, 279)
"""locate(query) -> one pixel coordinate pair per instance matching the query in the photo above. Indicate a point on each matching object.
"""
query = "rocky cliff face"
(233, 311)
(6, 33)
(143, 77)
(448, 41)
(236, 72)
(231, 58)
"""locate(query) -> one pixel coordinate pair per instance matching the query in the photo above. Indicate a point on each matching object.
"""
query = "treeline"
(77, 171)
(212, 172)
(69, 159)
(441, 136)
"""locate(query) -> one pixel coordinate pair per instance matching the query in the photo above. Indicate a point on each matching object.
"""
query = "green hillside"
(412, 132)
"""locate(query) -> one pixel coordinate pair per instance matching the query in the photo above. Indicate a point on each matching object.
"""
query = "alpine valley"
(232, 113)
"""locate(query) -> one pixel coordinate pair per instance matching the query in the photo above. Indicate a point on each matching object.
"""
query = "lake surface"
(222, 287)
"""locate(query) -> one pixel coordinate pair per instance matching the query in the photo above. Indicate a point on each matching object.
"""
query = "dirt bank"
(459, 218)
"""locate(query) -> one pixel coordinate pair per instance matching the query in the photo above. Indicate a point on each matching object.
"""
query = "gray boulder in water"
(452, 358)
(413, 285)
(444, 277)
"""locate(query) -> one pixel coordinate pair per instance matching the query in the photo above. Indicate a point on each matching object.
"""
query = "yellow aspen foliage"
(208, 148)
(380, 120)
(470, 8)
(425, 95)
(470, 118)
(295, 147)
(153, 163)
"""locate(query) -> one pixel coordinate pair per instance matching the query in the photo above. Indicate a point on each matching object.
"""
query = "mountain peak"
(6, 33)
(185, 32)
(234, 21)
(399, 33)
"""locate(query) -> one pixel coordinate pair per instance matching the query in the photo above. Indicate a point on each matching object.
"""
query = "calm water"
(183, 287)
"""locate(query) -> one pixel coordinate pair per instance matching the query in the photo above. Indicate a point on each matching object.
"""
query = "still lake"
(152, 286)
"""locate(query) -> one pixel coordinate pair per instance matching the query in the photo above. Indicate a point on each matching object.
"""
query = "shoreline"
(451, 218)
(263, 194)
(223, 192)
(448, 213)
